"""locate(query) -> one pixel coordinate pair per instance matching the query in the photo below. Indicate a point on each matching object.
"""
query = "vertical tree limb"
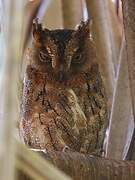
(53, 16)
(72, 13)
(129, 26)
(121, 114)
(99, 10)
(116, 32)
(30, 12)
(79, 166)
(12, 13)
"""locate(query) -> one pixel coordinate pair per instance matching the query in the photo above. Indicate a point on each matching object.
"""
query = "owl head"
(62, 53)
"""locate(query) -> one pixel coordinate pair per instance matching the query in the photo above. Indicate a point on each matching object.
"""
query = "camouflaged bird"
(63, 105)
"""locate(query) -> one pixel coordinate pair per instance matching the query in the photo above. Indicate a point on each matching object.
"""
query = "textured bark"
(81, 167)
(129, 25)
(72, 13)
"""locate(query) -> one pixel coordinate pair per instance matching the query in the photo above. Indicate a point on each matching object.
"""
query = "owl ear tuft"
(38, 32)
(36, 29)
(83, 30)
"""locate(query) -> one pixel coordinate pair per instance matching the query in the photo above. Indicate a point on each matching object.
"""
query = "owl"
(64, 105)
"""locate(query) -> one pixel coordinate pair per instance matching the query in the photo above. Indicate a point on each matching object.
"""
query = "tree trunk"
(129, 25)
(81, 167)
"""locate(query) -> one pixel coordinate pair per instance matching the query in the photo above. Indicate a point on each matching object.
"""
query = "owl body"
(63, 102)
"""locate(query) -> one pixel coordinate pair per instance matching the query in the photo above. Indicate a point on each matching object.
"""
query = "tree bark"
(129, 26)
(81, 167)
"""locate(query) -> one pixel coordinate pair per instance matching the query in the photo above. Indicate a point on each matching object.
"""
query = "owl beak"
(60, 76)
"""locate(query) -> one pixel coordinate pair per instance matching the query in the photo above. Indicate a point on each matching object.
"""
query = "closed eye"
(77, 58)
(44, 57)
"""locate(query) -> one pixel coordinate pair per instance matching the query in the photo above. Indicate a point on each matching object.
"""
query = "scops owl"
(63, 105)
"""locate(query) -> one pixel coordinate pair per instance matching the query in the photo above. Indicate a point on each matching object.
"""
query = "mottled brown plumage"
(63, 103)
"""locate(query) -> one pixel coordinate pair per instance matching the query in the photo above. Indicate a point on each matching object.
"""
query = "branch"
(30, 163)
(121, 115)
(80, 167)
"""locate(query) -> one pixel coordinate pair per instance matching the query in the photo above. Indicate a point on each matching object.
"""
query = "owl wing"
(50, 117)
(93, 102)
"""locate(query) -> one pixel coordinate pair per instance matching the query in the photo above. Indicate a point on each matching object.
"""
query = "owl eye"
(44, 57)
(77, 59)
